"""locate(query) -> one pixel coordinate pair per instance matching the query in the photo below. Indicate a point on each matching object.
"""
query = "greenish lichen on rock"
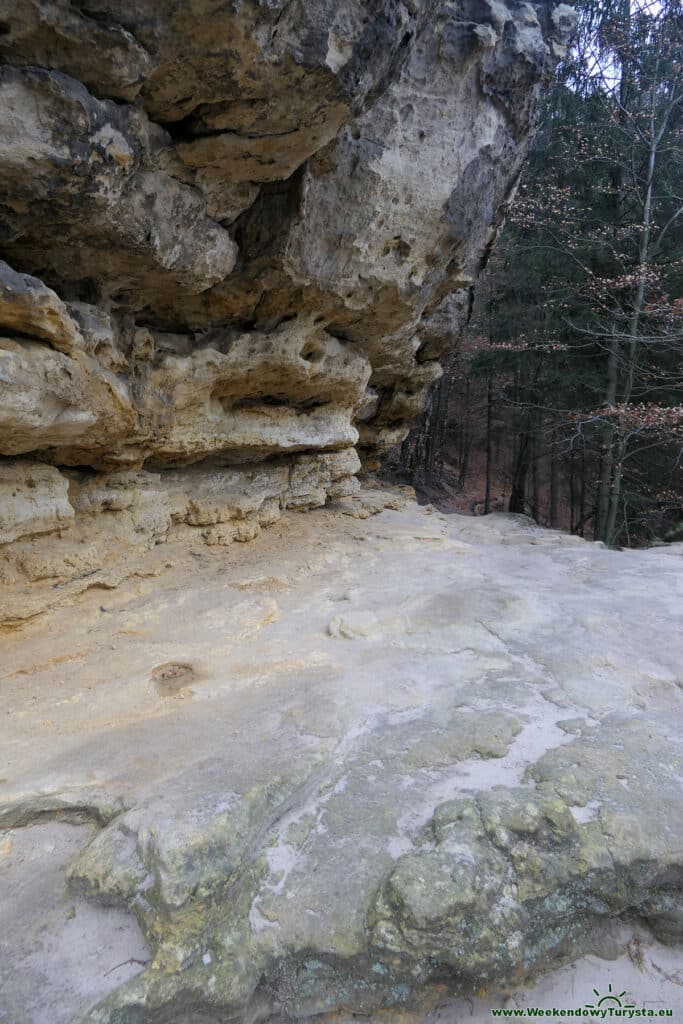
(498, 886)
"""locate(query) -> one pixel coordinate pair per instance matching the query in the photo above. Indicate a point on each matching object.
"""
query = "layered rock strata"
(237, 238)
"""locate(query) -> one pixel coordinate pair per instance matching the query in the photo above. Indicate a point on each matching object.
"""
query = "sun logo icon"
(611, 998)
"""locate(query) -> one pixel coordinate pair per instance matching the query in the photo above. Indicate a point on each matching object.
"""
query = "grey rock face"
(245, 232)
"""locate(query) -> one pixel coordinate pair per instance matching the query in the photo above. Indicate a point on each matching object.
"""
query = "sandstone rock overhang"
(236, 237)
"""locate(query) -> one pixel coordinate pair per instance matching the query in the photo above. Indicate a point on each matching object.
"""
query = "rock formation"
(352, 771)
(236, 239)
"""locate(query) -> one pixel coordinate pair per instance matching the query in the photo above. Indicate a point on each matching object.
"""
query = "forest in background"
(564, 401)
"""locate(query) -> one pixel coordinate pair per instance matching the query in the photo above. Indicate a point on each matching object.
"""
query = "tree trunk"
(534, 456)
(554, 491)
(607, 463)
(465, 440)
(520, 476)
(582, 495)
(615, 492)
(489, 441)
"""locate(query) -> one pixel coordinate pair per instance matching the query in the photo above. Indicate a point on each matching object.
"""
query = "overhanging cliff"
(237, 238)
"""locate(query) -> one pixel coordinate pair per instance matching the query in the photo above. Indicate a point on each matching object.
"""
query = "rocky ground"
(381, 764)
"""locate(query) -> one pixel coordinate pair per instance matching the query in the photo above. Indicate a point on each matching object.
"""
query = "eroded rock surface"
(379, 759)
(238, 235)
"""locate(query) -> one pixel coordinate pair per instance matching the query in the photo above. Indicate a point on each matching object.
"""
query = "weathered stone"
(87, 168)
(30, 309)
(314, 822)
(69, 405)
(107, 522)
(34, 499)
(239, 396)
(363, 154)
(55, 34)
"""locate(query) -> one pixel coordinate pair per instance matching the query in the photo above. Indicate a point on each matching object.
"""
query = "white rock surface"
(276, 742)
